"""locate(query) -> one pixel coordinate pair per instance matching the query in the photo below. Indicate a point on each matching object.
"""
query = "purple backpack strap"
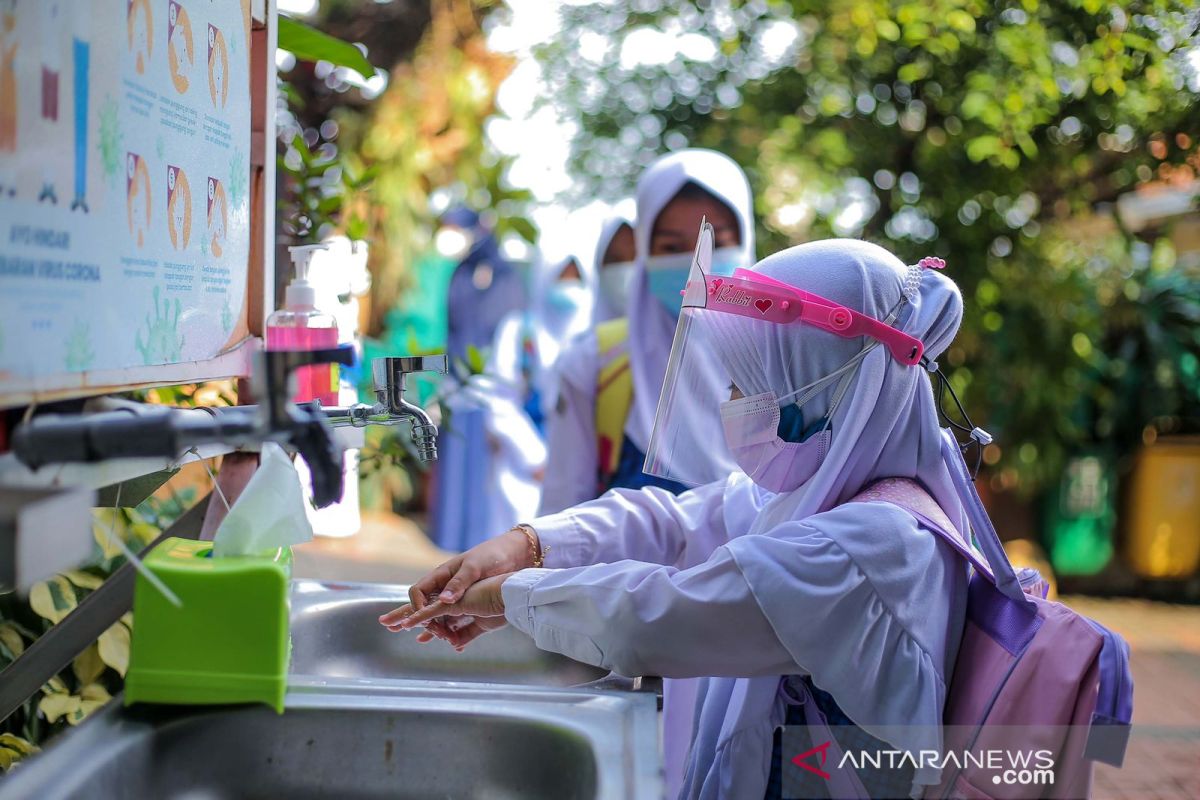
(992, 563)
(910, 496)
(1108, 736)
(1110, 723)
(1003, 576)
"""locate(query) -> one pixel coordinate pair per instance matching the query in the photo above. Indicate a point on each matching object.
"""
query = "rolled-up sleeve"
(638, 618)
(648, 524)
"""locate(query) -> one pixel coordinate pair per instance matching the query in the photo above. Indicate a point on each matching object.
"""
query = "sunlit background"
(1049, 152)
(1046, 151)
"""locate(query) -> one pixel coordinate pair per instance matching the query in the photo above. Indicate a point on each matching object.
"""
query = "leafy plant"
(310, 44)
(319, 183)
(98, 672)
(996, 136)
(425, 135)
(1148, 370)
(318, 191)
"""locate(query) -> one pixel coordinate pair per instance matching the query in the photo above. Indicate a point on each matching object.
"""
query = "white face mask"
(751, 427)
(614, 284)
(453, 243)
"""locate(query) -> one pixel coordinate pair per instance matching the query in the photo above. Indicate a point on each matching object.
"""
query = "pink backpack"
(1031, 674)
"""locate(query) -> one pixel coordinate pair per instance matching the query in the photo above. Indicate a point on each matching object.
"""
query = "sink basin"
(360, 740)
(336, 633)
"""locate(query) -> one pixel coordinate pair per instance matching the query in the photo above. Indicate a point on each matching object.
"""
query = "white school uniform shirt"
(572, 458)
(860, 597)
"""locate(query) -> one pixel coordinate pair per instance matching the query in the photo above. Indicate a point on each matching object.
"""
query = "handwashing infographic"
(181, 47)
(124, 139)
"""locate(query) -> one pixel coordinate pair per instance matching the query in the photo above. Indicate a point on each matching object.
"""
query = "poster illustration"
(124, 227)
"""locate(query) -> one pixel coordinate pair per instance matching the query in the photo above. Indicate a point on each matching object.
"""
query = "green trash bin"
(1081, 516)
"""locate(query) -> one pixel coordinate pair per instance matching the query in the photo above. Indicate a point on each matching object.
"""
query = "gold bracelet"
(537, 552)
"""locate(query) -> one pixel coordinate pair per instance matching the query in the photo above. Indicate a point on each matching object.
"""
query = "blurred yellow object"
(1027, 553)
(1164, 510)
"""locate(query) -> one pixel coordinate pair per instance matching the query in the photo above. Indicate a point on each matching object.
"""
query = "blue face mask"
(725, 260)
(666, 276)
(791, 424)
(566, 296)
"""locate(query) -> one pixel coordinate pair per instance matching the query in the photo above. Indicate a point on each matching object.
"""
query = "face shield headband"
(695, 403)
(749, 294)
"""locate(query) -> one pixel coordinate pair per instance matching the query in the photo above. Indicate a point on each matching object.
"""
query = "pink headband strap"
(754, 295)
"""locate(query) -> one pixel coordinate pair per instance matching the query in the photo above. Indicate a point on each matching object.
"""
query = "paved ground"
(388, 549)
(1163, 762)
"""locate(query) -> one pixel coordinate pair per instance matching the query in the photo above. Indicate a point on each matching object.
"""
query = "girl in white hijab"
(673, 195)
(518, 384)
(614, 264)
(781, 581)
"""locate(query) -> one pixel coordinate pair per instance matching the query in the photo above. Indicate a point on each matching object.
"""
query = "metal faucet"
(389, 376)
(161, 431)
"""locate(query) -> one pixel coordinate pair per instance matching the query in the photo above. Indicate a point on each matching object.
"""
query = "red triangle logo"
(823, 751)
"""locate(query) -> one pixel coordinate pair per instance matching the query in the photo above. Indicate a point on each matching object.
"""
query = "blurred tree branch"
(992, 135)
(423, 133)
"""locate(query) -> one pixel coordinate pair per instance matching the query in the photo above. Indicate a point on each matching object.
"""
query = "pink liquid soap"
(320, 381)
(299, 325)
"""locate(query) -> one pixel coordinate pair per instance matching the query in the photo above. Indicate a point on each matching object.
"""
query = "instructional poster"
(124, 209)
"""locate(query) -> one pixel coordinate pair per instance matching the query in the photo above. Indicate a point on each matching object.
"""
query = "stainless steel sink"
(360, 739)
(336, 633)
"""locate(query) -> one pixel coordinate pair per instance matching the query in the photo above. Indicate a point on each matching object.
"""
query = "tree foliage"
(995, 135)
(424, 133)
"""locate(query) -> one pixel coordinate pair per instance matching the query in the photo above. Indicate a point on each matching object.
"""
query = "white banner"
(124, 208)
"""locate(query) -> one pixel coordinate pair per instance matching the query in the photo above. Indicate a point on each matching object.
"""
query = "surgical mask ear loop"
(838, 395)
(976, 437)
(845, 372)
(809, 391)
(132, 558)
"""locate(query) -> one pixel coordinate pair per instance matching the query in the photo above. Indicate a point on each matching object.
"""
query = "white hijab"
(603, 309)
(887, 426)
(651, 328)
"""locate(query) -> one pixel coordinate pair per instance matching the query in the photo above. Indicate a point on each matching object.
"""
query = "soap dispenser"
(299, 325)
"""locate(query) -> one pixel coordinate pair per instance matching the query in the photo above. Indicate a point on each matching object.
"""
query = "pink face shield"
(687, 444)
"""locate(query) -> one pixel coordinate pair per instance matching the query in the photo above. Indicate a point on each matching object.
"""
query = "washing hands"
(460, 600)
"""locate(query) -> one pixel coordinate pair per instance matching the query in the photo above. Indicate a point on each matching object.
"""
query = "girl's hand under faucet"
(507, 552)
(481, 608)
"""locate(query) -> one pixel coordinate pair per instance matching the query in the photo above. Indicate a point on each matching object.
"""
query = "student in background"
(616, 255)
(609, 380)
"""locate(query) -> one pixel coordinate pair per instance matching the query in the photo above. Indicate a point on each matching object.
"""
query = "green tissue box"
(228, 643)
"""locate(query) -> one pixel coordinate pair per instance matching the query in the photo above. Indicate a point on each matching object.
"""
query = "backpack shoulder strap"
(614, 392)
(612, 335)
(912, 497)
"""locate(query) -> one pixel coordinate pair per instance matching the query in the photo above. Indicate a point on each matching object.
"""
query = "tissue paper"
(269, 514)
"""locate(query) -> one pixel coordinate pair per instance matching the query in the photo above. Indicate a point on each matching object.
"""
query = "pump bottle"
(299, 325)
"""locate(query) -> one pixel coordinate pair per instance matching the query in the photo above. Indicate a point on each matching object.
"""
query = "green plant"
(1148, 369)
(310, 44)
(98, 672)
(318, 191)
(319, 183)
(991, 134)
(425, 134)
